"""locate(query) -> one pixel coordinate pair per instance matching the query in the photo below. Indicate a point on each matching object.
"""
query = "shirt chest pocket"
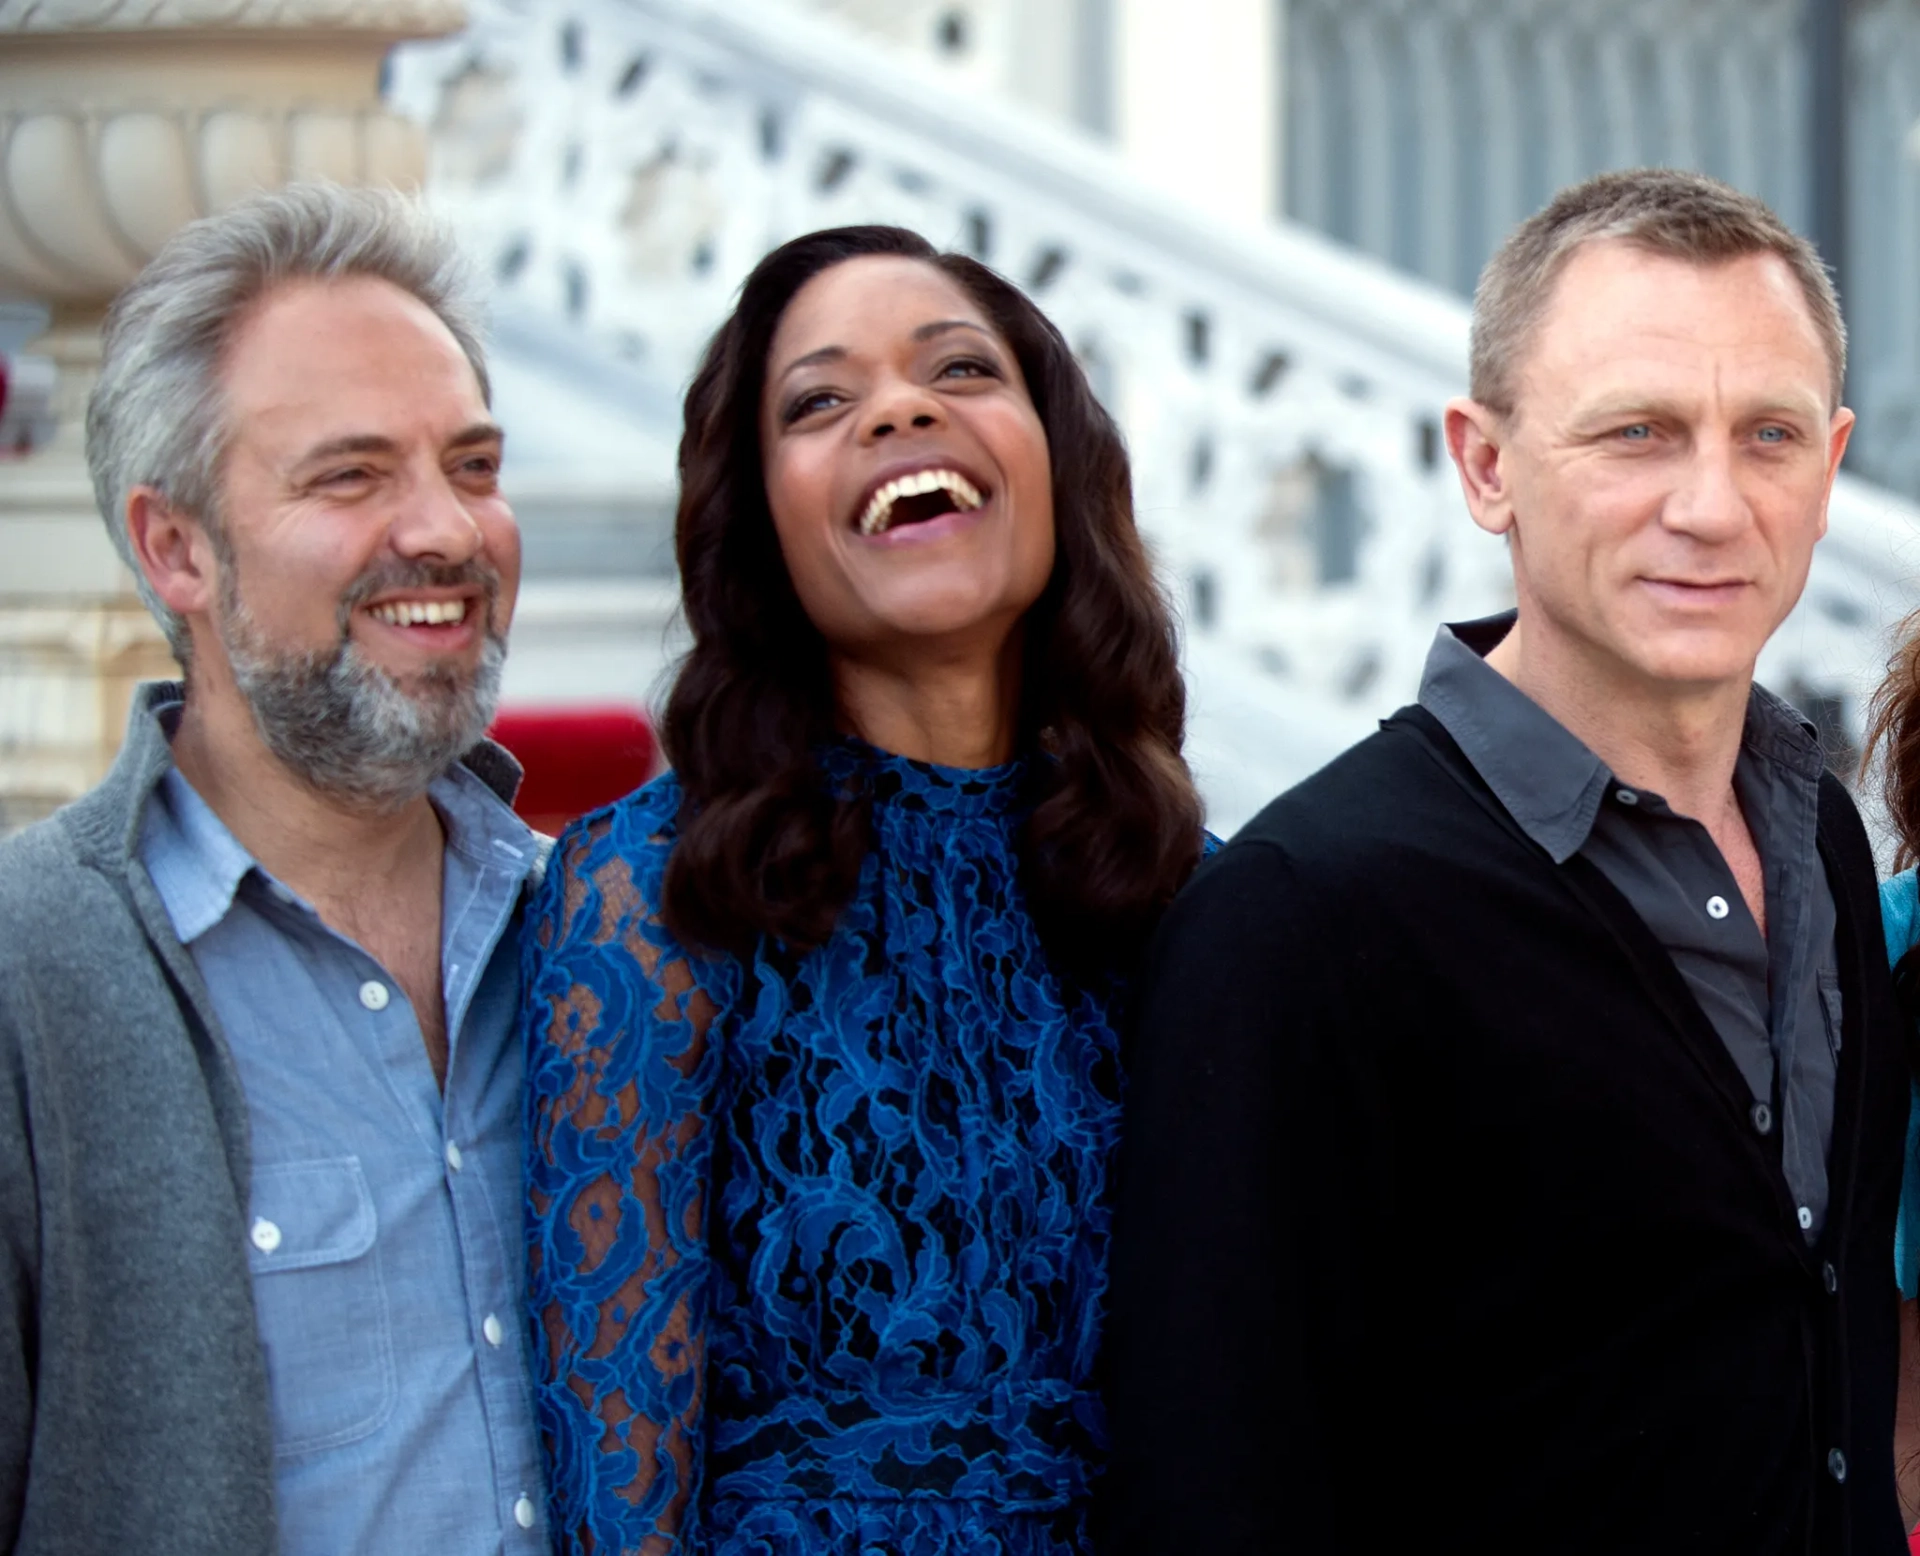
(322, 1305)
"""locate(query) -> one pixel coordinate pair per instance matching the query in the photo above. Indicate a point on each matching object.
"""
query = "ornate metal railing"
(619, 165)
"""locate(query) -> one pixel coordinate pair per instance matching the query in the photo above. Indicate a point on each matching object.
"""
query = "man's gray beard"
(343, 724)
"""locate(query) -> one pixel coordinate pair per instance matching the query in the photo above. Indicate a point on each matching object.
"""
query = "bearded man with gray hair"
(1515, 1108)
(260, 1268)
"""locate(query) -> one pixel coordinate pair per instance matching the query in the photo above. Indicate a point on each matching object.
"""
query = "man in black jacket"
(1515, 1107)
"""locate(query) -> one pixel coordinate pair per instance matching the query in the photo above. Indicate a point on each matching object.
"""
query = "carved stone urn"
(120, 120)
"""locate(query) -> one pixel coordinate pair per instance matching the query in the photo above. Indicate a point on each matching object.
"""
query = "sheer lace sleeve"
(620, 1069)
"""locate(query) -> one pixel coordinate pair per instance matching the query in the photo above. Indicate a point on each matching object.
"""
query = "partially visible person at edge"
(259, 1095)
(824, 1083)
(1515, 1109)
(1894, 737)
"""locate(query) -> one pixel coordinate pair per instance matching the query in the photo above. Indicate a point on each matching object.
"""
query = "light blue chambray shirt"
(385, 1226)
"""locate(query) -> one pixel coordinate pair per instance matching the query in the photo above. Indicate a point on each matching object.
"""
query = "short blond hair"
(1681, 215)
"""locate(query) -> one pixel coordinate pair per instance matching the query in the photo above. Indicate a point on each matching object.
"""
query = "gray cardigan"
(133, 1397)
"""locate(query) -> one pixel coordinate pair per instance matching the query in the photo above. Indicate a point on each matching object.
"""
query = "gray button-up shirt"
(1773, 1000)
(384, 1230)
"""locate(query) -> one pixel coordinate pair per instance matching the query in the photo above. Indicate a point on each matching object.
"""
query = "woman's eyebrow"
(941, 326)
(922, 332)
(824, 354)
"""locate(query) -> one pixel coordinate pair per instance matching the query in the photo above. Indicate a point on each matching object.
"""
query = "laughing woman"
(824, 1087)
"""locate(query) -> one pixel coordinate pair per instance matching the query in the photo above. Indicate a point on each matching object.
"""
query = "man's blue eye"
(1639, 432)
(1773, 434)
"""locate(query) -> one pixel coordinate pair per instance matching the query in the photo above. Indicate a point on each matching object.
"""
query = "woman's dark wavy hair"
(1894, 730)
(765, 846)
(1893, 733)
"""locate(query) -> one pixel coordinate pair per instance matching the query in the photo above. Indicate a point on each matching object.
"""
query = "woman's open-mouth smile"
(919, 504)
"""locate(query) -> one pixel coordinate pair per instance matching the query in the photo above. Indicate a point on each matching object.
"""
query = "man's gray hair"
(1680, 215)
(157, 418)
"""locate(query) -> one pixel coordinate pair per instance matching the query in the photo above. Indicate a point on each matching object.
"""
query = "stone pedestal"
(121, 120)
(74, 638)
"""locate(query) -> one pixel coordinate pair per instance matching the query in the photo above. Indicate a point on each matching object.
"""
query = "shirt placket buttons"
(523, 1512)
(265, 1235)
(373, 994)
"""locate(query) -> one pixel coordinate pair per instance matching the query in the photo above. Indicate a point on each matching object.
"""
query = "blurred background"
(1257, 221)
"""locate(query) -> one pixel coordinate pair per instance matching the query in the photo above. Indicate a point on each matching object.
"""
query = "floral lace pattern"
(818, 1245)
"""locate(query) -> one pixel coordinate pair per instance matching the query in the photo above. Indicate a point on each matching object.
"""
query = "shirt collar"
(481, 827)
(198, 866)
(1543, 773)
(1547, 779)
(1776, 731)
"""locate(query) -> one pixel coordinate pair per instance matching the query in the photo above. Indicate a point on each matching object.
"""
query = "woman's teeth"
(421, 613)
(880, 507)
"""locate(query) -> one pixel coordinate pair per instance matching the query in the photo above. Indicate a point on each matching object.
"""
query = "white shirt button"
(265, 1235)
(1717, 907)
(454, 1159)
(373, 994)
(490, 1327)
(1806, 1219)
(1626, 796)
(523, 1512)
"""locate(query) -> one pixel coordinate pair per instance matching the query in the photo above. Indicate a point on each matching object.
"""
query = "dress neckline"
(851, 764)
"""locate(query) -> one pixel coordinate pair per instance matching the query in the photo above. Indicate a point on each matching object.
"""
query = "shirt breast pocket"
(321, 1303)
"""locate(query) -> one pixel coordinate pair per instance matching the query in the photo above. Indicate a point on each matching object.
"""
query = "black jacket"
(1444, 1224)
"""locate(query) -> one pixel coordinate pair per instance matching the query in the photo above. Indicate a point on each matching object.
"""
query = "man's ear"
(1839, 431)
(1476, 437)
(174, 550)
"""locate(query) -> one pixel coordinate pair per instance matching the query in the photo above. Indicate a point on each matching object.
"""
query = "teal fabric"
(1900, 913)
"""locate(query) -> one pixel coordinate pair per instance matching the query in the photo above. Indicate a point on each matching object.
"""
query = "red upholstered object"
(577, 759)
(1913, 1542)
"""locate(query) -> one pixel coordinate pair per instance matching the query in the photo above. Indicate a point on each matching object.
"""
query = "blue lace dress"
(818, 1245)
